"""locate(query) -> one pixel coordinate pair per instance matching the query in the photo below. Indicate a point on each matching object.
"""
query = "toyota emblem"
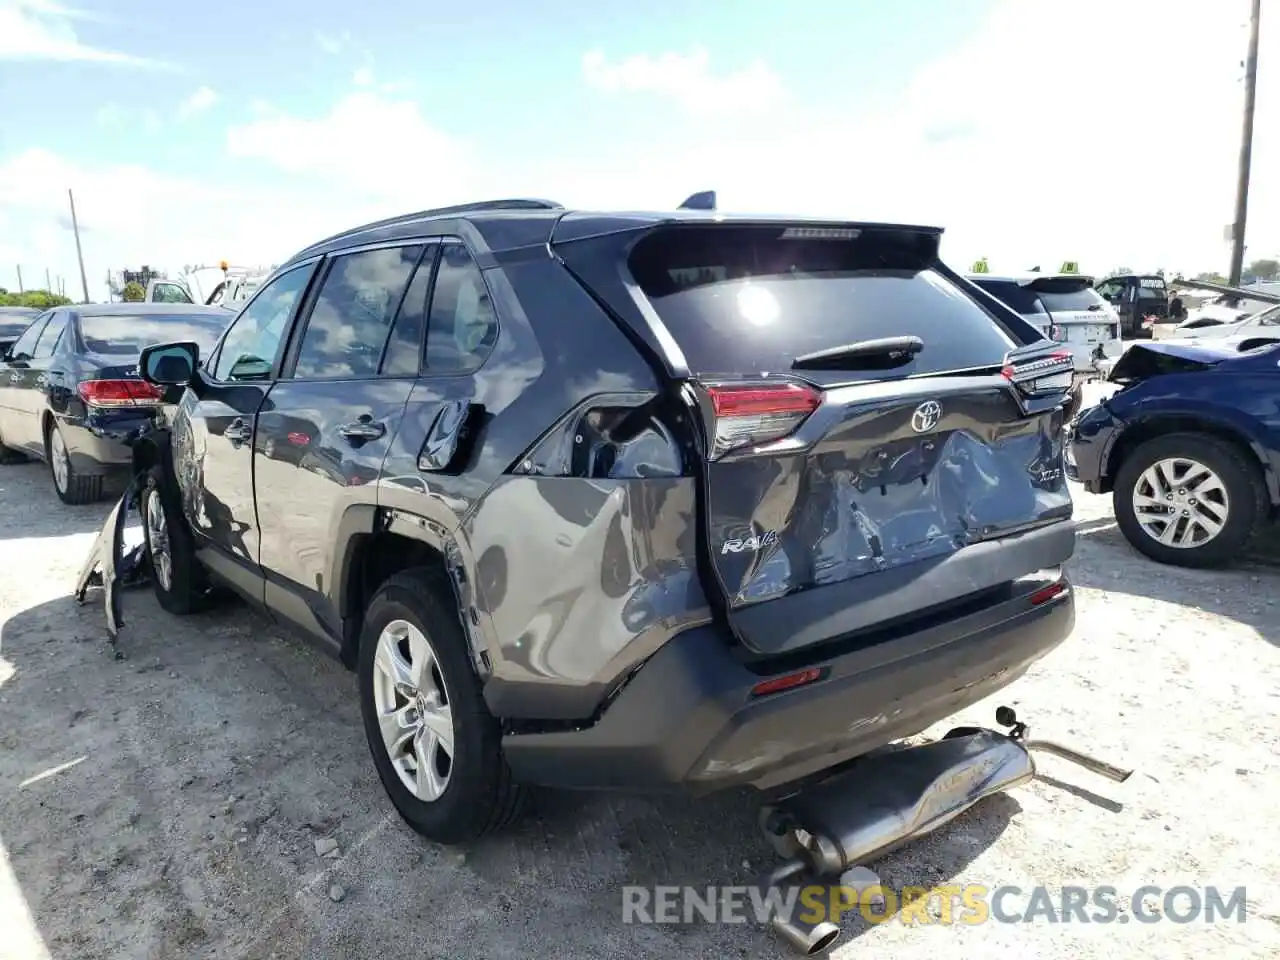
(926, 416)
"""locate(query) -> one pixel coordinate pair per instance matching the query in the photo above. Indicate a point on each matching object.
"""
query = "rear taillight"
(1051, 373)
(119, 393)
(753, 414)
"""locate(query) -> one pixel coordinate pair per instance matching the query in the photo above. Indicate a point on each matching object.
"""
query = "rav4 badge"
(766, 539)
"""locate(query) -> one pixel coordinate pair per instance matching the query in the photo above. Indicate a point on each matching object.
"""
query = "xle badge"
(766, 539)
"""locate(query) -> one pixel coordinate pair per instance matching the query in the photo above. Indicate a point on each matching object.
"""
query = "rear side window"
(747, 300)
(1152, 288)
(1015, 297)
(462, 326)
(48, 341)
(349, 324)
(26, 344)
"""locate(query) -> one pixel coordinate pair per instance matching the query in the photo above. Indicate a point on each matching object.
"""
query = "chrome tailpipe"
(804, 939)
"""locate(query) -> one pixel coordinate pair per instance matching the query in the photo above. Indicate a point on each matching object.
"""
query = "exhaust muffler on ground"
(833, 828)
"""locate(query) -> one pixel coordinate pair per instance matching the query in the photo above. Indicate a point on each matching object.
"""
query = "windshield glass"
(125, 334)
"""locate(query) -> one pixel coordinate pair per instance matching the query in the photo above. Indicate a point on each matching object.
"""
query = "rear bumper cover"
(687, 720)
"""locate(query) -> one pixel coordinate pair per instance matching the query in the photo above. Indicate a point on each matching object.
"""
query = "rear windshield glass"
(1151, 288)
(747, 300)
(124, 334)
(1065, 298)
(1013, 296)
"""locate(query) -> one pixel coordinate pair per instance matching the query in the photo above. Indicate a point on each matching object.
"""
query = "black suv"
(622, 501)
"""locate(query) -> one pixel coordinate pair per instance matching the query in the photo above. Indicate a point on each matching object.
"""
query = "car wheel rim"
(415, 716)
(158, 541)
(1181, 503)
(58, 460)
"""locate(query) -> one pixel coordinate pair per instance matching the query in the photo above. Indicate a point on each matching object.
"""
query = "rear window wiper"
(882, 354)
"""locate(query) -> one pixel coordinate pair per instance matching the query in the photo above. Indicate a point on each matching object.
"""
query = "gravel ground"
(169, 804)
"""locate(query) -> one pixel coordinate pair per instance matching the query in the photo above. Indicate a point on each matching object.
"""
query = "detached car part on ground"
(639, 502)
(1188, 447)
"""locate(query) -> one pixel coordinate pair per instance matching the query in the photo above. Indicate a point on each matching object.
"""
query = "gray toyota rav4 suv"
(629, 501)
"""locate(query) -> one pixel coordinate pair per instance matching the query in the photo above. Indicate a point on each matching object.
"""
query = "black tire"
(480, 796)
(78, 488)
(1246, 498)
(187, 590)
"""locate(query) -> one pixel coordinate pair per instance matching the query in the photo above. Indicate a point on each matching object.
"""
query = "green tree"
(36, 299)
(133, 292)
(1211, 277)
(1268, 269)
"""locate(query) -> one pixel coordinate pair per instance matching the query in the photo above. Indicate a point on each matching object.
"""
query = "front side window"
(358, 300)
(249, 349)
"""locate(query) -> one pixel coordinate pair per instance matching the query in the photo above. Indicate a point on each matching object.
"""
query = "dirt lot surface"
(168, 804)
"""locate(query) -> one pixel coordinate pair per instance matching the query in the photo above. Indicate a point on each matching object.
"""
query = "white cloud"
(1031, 142)
(43, 30)
(1035, 141)
(363, 77)
(687, 79)
(197, 103)
(369, 145)
(332, 44)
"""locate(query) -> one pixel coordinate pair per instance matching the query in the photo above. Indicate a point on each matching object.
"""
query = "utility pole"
(20, 290)
(75, 228)
(48, 284)
(1246, 148)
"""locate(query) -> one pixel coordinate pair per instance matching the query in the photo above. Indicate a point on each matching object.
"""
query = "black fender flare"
(362, 520)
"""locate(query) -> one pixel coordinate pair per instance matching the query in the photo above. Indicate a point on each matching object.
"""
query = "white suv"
(1065, 308)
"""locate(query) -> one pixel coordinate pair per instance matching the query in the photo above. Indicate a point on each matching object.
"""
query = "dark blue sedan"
(70, 394)
(1188, 447)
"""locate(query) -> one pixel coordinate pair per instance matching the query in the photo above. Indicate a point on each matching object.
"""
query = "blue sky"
(194, 132)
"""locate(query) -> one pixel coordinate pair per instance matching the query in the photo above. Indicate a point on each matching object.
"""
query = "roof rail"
(477, 207)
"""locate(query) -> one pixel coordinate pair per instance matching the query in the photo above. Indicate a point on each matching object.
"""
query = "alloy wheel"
(158, 541)
(414, 712)
(1180, 502)
(59, 460)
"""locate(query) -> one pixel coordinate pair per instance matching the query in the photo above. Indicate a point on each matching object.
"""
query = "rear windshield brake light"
(119, 393)
(748, 415)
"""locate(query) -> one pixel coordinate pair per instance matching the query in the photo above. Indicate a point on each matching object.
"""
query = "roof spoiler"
(705, 200)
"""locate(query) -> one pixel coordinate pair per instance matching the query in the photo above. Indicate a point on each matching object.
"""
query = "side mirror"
(169, 364)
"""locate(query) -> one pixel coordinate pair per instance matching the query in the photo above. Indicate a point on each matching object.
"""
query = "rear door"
(13, 425)
(845, 492)
(32, 389)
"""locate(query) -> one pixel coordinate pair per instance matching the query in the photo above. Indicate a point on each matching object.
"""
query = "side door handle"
(362, 430)
(238, 432)
(446, 434)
